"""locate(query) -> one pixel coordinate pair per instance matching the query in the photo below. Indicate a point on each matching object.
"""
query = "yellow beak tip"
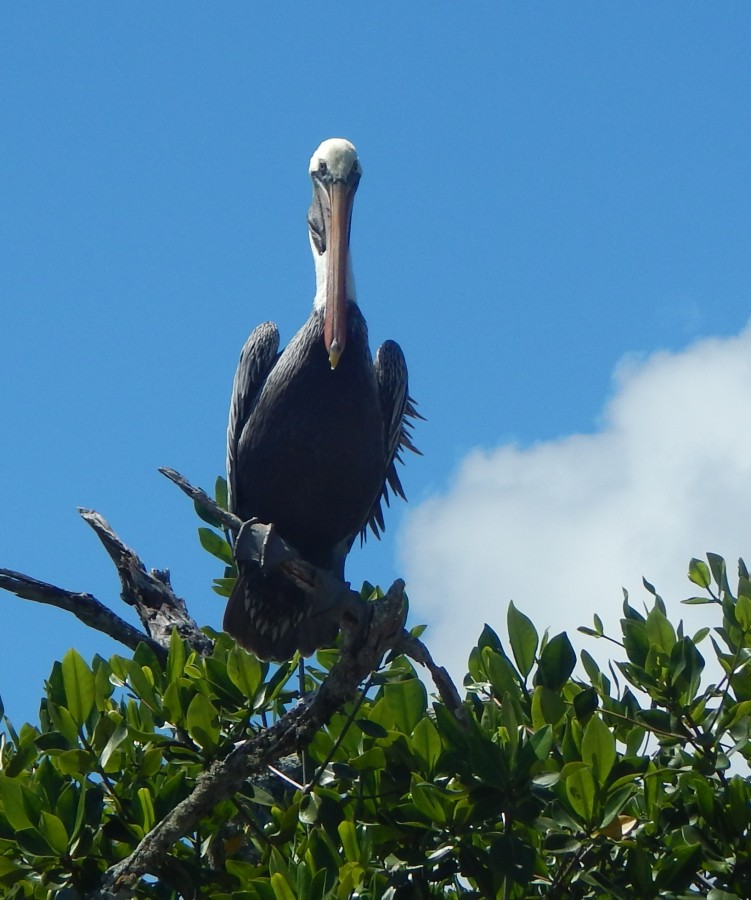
(335, 354)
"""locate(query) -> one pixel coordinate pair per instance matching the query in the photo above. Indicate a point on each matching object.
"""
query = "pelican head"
(335, 172)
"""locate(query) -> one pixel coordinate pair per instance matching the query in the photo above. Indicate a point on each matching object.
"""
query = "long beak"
(335, 315)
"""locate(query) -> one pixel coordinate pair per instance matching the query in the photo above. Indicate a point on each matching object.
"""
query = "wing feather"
(257, 359)
(397, 409)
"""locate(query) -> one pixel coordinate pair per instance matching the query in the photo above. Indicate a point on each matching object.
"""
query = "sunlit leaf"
(426, 742)
(216, 545)
(203, 722)
(660, 633)
(699, 573)
(407, 699)
(244, 671)
(78, 680)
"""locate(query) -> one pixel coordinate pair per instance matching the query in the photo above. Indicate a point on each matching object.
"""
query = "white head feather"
(339, 155)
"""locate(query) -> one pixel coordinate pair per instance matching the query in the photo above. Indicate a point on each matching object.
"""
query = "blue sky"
(548, 190)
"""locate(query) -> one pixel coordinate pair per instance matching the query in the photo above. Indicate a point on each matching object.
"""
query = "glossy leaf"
(598, 748)
(78, 681)
(523, 639)
(426, 742)
(699, 573)
(202, 722)
(53, 831)
(557, 662)
(580, 790)
(216, 545)
(407, 699)
(244, 671)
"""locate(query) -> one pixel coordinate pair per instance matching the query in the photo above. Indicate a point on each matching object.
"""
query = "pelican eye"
(322, 167)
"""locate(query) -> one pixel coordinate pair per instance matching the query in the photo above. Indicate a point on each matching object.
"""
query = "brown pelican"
(314, 431)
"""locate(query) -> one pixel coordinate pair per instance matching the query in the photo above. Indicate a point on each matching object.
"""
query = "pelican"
(314, 431)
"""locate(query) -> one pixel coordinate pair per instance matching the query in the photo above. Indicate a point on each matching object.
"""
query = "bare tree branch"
(149, 593)
(85, 607)
(360, 656)
(416, 650)
(199, 496)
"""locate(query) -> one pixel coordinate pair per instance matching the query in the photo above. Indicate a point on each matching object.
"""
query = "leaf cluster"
(557, 779)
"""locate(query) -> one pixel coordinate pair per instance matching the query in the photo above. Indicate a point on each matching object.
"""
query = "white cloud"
(561, 526)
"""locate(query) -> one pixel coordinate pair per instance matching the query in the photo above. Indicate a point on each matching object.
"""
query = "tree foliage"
(549, 780)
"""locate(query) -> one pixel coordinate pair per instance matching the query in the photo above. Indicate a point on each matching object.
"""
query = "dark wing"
(257, 359)
(397, 408)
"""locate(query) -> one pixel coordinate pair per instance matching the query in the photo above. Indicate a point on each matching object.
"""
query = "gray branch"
(87, 608)
(202, 500)
(149, 593)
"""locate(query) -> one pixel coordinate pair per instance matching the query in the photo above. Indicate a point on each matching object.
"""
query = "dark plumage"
(314, 432)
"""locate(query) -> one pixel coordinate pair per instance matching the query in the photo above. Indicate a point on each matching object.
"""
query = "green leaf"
(372, 729)
(580, 790)
(202, 722)
(407, 700)
(719, 570)
(78, 680)
(31, 840)
(660, 633)
(488, 638)
(348, 837)
(53, 831)
(75, 762)
(585, 703)
(523, 639)
(499, 671)
(699, 573)
(245, 672)
(175, 658)
(556, 662)
(221, 494)
(115, 739)
(547, 707)
(428, 799)
(12, 803)
(216, 545)
(598, 748)
(281, 888)
(223, 586)
(375, 758)
(677, 870)
(743, 612)
(146, 803)
(426, 742)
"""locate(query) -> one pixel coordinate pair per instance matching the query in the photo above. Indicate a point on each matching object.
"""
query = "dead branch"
(416, 650)
(87, 608)
(202, 499)
(149, 593)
